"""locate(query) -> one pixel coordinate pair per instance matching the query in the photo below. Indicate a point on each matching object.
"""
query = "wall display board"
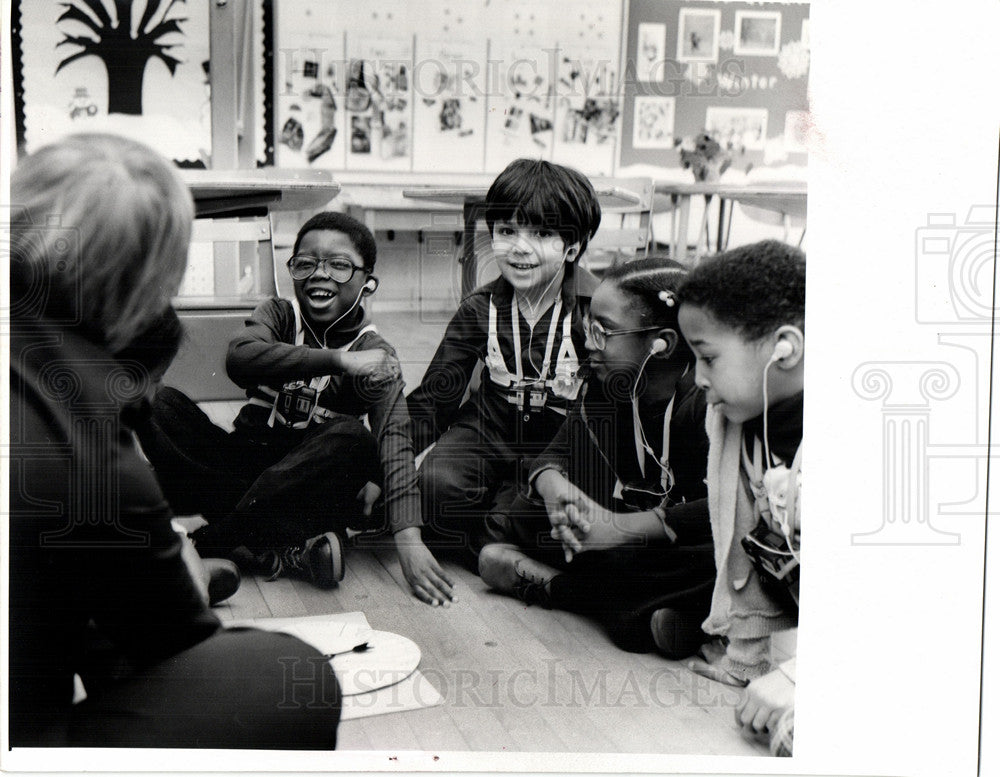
(138, 68)
(460, 86)
(738, 71)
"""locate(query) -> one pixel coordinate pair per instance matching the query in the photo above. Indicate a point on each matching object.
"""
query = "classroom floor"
(513, 678)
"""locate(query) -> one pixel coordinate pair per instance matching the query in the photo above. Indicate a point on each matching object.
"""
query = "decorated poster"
(653, 123)
(311, 75)
(138, 69)
(521, 108)
(449, 114)
(379, 103)
(652, 53)
(587, 89)
(737, 128)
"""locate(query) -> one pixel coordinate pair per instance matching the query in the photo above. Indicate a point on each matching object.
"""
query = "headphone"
(659, 345)
(782, 349)
(371, 286)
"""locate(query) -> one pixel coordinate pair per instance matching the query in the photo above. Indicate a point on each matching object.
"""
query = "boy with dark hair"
(743, 314)
(525, 328)
(301, 473)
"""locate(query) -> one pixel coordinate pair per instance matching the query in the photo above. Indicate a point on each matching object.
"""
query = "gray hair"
(102, 223)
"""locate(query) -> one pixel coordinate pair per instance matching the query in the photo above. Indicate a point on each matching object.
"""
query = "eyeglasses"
(341, 269)
(599, 335)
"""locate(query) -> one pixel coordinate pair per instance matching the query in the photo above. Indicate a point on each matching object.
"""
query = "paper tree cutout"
(124, 56)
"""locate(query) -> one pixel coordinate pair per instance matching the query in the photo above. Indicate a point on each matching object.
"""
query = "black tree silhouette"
(124, 56)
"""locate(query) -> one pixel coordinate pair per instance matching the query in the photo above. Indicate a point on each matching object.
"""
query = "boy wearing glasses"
(300, 472)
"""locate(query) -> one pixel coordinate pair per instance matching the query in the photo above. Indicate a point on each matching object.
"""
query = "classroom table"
(230, 193)
(473, 202)
(788, 197)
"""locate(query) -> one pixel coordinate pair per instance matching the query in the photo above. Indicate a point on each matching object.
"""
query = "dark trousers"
(266, 488)
(465, 476)
(619, 587)
(241, 688)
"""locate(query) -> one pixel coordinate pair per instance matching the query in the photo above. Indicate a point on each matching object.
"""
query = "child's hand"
(368, 496)
(373, 364)
(427, 580)
(594, 528)
(766, 699)
(711, 663)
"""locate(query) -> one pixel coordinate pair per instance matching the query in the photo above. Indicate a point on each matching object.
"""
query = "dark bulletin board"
(734, 79)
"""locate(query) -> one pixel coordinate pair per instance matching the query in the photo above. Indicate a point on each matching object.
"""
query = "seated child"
(743, 313)
(301, 472)
(632, 446)
(526, 330)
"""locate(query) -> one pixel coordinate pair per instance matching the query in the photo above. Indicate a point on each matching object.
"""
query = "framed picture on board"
(652, 51)
(698, 35)
(737, 128)
(653, 122)
(758, 33)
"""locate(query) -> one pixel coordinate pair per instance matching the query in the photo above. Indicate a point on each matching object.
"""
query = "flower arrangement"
(706, 157)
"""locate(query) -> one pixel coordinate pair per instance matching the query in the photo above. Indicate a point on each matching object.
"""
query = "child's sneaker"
(506, 569)
(320, 560)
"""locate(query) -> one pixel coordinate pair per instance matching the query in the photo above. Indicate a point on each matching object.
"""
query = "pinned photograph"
(738, 128)
(698, 35)
(653, 122)
(758, 33)
(652, 51)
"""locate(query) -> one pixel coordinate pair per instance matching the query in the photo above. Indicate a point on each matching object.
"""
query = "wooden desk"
(223, 193)
(781, 196)
(472, 200)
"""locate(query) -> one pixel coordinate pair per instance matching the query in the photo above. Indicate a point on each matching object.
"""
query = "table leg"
(683, 216)
(468, 260)
(720, 233)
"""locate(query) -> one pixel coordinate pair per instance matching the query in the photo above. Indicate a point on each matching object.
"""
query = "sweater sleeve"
(389, 419)
(434, 404)
(262, 351)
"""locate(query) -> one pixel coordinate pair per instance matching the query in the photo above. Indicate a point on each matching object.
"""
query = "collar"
(345, 331)
(784, 427)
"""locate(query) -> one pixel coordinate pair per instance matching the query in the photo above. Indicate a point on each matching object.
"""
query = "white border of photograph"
(687, 13)
(740, 49)
(804, 35)
(658, 34)
(724, 115)
(646, 140)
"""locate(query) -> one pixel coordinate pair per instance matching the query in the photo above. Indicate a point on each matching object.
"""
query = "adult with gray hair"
(99, 239)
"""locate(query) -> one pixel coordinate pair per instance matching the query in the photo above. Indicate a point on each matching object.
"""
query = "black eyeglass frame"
(599, 335)
(317, 261)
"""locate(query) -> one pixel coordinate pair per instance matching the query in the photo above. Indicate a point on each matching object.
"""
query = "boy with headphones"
(300, 472)
(525, 329)
(743, 314)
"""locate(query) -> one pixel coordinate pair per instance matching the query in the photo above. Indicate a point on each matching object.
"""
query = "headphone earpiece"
(659, 345)
(371, 285)
(782, 349)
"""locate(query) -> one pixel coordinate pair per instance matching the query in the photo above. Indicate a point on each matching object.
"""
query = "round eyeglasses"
(599, 335)
(341, 269)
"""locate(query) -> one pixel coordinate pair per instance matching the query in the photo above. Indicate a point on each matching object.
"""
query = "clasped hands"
(578, 522)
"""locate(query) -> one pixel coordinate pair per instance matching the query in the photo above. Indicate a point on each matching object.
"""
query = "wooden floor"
(513, 678)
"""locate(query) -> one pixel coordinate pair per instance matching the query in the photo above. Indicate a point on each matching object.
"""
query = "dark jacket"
(91, 543)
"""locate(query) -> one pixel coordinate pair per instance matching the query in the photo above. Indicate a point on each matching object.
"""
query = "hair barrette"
(668, 298)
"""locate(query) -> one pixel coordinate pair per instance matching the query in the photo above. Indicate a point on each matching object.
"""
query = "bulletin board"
(138, 68)
(461, 86)
(739, 70)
